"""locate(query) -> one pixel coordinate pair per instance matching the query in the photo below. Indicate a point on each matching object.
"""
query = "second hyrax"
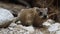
(32, 16)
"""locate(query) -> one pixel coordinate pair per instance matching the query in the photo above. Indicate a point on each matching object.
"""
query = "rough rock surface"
(19, 29)
(6, 17)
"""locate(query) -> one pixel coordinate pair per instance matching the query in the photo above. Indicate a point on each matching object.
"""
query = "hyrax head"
(40, 17)
(28, 16)
(42, 12)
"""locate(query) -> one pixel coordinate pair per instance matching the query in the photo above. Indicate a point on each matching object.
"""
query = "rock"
(30, 29)
(26, 33)
(57, 32)
(10, 32)
(12, 25)
(54, 27)
(51, 25)
(48, 22)
(4, 31)
(24, 28)
(10, 28)
(6, 17)
(38, 32)
(1, 32)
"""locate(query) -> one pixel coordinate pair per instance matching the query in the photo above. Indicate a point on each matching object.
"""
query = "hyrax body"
(31, 16)
(26, 16)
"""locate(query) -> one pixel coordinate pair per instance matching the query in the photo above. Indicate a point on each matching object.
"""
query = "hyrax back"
(26, 16)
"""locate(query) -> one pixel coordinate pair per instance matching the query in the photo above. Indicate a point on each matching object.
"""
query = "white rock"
(54, 27)
(16, 32)
(5, 16)
(48, 22)
(12, 25)
(37, 31)
(4, 31)
(22, 30)
(57, 32)
(26, 33)
(1, 32)
(29, 28)
(10, 28)
(10, 32)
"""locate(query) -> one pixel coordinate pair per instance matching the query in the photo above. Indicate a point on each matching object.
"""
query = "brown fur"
(30, 17)
(27, 16)
(38, 21)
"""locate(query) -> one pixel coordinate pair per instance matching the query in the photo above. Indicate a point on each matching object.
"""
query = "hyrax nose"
(45, 16)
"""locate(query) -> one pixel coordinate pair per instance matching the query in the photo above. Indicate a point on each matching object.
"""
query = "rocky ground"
(51, 28)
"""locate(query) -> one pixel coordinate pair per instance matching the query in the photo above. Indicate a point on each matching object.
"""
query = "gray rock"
(57, 32)
(1, 32)
(6, 17)
(4, 31)
(48, 22)
(12, 25)
(10, 32)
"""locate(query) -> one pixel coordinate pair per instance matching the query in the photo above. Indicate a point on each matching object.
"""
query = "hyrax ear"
(40, 13)
(37, 9)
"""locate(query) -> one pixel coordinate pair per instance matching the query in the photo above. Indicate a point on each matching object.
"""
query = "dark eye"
(40, 13)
